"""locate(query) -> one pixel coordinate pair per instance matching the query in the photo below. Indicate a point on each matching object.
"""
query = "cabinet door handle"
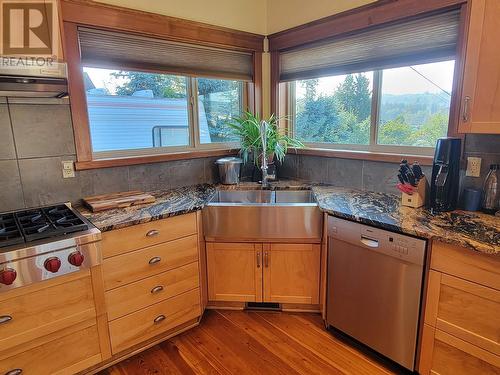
(5, 319)
(258, 259)
(157, 289)
(152, 233)
(16, 371)
(266, 259)
(159, 319)
(465, 112)
(154, 260)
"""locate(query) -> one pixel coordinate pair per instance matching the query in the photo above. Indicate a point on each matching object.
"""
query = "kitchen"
(156, 217)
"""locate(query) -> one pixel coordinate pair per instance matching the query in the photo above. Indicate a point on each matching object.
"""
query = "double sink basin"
(262, 215)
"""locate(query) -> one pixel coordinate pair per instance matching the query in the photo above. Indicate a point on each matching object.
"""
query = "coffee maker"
(445, 174)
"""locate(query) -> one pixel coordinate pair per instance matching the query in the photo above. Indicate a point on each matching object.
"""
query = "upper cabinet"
(480, 108)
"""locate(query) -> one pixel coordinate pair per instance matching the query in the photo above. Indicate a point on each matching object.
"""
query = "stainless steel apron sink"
(262, 215)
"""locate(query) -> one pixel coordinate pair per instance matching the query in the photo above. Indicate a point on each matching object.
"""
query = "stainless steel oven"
(375, 287)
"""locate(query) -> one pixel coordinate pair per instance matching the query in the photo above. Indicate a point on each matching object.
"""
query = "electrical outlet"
(473, 167)
(68, 169)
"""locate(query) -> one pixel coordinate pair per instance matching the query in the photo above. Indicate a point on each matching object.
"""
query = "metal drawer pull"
(465, 113)
(5, 319)
(159, 319)
(155, 260)
(266, 259)
(258, 259)
(152, 233)
(16, 371)
(157, 289)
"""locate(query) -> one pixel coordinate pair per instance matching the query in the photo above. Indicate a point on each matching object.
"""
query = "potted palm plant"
(247, 128)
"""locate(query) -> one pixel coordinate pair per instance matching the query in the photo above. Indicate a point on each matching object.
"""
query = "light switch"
(68, 169)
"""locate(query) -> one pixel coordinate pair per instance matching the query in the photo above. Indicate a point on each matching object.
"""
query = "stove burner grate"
(35, 224)
(9, 230)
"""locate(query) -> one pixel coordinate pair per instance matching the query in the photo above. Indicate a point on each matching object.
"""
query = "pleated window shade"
(121, 50)
(407, 43)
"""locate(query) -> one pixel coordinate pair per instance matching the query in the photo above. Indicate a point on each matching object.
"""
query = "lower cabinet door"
(291, 273)
(69, 354)
(234, 272)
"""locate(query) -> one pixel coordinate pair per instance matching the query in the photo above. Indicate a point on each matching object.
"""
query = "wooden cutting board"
(117, 200)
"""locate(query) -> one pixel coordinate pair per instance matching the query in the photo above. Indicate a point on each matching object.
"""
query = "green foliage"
(247, 129)
(345, 116)
(163, 86)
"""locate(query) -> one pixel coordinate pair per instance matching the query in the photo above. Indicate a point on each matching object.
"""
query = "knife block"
(417, 199)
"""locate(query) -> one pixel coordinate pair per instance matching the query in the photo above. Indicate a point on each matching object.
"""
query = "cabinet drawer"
(139, 264)
(65, 355)
(154, 289)
(135, 237)
(32, 312)
(154, 320)
(469, 311)
(455, 357)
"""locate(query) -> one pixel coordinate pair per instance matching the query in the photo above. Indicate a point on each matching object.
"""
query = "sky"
(401, 80)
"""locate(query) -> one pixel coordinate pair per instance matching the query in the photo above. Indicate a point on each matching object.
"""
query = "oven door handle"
(370, 242)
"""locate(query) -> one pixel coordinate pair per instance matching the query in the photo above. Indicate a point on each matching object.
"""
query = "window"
(335, 109)
(133, 112)
(218, 101)
(383, 110)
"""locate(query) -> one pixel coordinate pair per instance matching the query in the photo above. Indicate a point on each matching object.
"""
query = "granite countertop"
(472, 230)
(168, 203)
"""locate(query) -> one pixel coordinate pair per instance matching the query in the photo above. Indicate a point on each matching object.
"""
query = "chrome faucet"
(263, 137)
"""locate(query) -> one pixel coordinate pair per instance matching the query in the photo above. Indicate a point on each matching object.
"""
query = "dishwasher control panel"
(385, 242)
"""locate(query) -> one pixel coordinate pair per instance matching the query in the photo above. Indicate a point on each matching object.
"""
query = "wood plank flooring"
(238, 342)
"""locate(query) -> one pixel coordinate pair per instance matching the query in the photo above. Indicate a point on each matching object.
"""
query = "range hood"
(34, 82)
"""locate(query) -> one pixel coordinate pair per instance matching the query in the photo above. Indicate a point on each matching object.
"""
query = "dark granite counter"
(472, 230)
(168, 203)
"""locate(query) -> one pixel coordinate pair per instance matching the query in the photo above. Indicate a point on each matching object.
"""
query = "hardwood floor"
(237, 342)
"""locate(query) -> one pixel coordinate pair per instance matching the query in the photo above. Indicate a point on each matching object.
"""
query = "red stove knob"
(8, 276)
(76, 258)
(52, 264)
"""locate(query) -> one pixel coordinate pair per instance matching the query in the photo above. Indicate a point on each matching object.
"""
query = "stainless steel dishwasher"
(375, 287)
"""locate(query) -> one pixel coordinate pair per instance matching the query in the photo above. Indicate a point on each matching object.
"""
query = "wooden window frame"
(356, 20)
(75, 13)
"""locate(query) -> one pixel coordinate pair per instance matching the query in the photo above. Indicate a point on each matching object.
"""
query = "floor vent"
(263, 306)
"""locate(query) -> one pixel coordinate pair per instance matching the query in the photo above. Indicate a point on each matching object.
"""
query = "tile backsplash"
(37, 135)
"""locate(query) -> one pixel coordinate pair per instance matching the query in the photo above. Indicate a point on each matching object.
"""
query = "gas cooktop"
(40, 223)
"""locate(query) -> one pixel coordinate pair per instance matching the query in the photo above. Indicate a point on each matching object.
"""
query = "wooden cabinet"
(50, 327)
(124, 240)
(480, 108)
(234, 272)
(149, 322)
(291, 273)
(250, 272)
(136, 265)
(461, 332)
(151, 278)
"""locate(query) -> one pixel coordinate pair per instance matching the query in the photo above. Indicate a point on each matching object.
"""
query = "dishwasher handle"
(370, 242)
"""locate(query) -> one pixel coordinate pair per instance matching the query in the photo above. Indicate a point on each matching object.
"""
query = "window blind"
(411, 42)
(109, 49)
